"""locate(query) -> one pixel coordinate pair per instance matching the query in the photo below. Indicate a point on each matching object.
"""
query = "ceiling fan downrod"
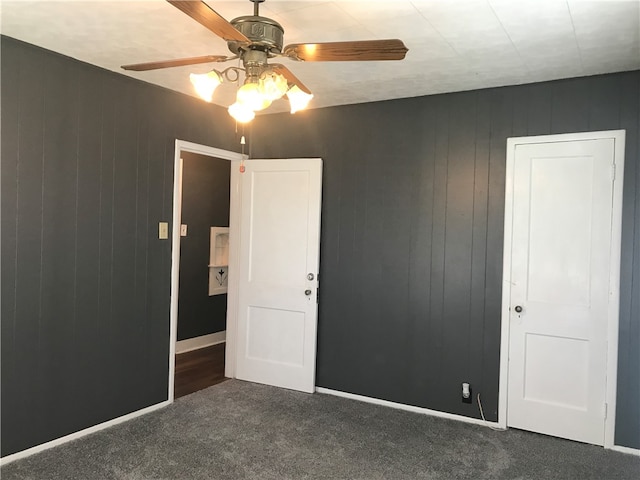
(256, 7)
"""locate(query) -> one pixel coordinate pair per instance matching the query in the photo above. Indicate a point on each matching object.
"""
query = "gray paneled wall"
(205, 204)
(412, 233)
(87, 174)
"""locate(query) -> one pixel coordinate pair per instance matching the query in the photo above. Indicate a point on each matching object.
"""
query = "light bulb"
(241, 112)
(310, 50)
(251, 97)
(273, 85)
(298, 100)
(206, 83)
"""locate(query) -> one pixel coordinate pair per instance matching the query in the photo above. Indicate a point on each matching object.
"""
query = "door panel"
(566, 263)
(278, 236)
(275, 335)
(279, 248)
(561, 239)
(568, 386)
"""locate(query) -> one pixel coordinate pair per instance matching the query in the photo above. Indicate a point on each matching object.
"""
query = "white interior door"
(559, 288)
(278, 270)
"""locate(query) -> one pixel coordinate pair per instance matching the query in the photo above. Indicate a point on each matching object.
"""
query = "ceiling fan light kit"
(206, 83)
(254, 40)
(250, 95)
(241, 113)
(298, 99)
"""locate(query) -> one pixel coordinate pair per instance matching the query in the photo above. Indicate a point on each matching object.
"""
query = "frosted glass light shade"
(273, 86)
(250, 95)
(206, 83)
(241, 113)
(298, 100)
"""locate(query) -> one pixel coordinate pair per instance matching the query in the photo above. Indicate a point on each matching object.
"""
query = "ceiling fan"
(254, 40)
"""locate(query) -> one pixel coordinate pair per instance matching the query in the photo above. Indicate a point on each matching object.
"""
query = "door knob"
(518, 309)
(307, 292)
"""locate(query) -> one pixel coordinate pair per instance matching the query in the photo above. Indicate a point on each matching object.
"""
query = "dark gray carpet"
(238, 430)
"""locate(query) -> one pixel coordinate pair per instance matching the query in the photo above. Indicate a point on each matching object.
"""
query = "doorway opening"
(200, 267)
(275, 207)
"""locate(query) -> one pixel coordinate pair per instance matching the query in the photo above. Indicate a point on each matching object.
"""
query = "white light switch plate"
(183, 230)
(163, 230)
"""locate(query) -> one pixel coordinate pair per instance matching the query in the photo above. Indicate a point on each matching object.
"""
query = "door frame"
(234, 223)
(614, 273)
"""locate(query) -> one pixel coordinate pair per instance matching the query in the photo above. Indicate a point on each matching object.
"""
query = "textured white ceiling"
(453, 45)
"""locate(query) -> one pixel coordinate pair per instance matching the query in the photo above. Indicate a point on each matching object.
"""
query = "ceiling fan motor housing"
(265, 34)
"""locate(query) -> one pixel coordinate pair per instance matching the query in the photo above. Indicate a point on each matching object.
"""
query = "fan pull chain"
(242, 142)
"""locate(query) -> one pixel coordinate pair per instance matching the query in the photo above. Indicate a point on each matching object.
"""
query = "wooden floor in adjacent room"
(199, 369)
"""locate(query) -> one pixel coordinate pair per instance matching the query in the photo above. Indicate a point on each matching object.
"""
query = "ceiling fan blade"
(141, 67)
(347, 51)
(291, 78)
(208, 17)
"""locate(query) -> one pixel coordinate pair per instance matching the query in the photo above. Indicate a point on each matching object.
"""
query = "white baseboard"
(627, 450)
(436, 413)
(408, 408)
(183, 346)
(376, 401)
(74, 436)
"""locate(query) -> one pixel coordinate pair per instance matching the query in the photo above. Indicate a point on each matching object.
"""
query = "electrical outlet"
(466, 393)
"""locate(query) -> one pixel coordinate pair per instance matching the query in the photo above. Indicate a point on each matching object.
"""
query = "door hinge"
(606, 410)
(613, 172)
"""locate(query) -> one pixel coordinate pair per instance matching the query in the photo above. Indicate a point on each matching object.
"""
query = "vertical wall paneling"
(501, 116)
(87, 174)
(106, 193)
(458, 246)
(604, 105)
(124, 327)
(29, 233)
(87, 280)
(378, 250)
(357, 256)
(438, 246)
(9, 153)
(539, 109)
(59, 336)
(570, 106)
(419, 282)
(158, 288)
(519, 116)
(628, 413)
(329, 262)
(348, 301)
(144, 233)
(632, 397)
(479, 241)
